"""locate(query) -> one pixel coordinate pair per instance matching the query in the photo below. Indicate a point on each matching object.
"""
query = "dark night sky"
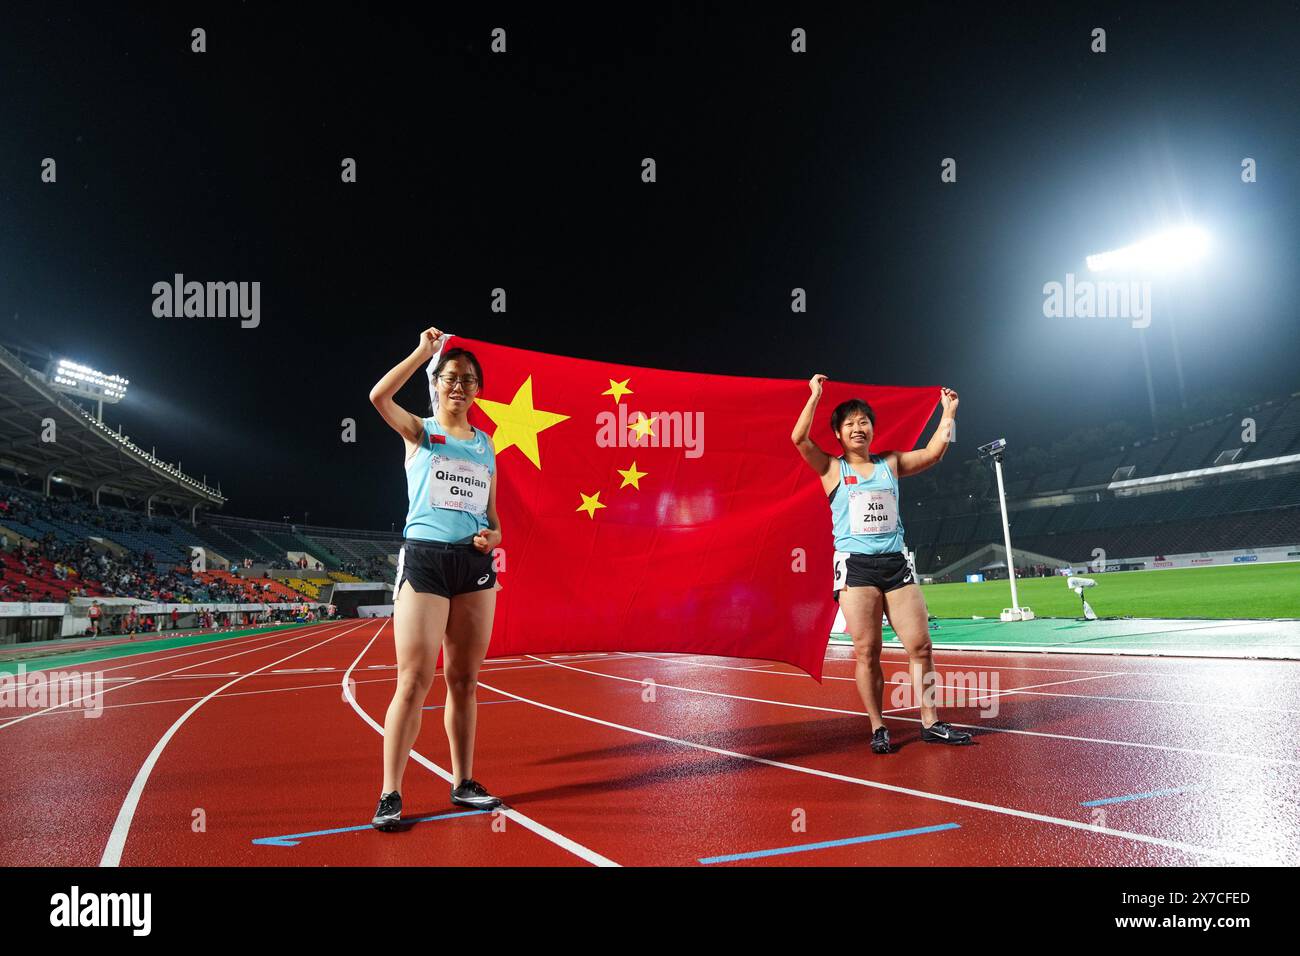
(522, 171)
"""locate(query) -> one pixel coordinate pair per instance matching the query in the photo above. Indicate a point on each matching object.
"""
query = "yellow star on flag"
(631, 476)
(618, 389)
(589, 504)
(519, 422)
(643, 426)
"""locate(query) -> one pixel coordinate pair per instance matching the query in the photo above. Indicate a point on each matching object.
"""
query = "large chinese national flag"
(648, 510)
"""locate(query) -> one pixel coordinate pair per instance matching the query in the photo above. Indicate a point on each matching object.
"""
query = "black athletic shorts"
(884, 571)
(433, 567)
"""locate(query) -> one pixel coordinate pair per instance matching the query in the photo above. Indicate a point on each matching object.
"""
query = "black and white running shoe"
(880, 741)
(940, 732)
(471, 794)
(389, 812)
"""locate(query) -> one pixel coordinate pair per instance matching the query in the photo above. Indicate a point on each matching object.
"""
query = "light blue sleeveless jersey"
(447, 483)
(881, 483)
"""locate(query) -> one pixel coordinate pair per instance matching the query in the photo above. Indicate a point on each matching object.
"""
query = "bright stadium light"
(1164, 252)
(77, 379)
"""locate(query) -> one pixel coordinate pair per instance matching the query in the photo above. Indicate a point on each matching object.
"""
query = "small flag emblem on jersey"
(438, 439)
(851, 480)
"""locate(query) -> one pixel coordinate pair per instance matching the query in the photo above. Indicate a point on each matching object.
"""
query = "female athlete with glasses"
(445, 592)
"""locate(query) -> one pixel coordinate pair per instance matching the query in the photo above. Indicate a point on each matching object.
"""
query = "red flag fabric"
(651, 510)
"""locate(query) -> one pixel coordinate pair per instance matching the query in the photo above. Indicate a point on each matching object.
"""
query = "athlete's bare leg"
(419, 624)
(862, 607)
(911, 622)
(469, 629)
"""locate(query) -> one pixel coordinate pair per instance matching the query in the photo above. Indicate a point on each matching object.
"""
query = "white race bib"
(872, 512)
(841, 570)
(459, 485)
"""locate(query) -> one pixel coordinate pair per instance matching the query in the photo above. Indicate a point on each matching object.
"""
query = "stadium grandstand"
(88, 516)
(1223, 490)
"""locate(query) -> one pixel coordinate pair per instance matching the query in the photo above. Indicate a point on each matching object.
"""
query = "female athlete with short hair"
(445, 592)
(871, 571)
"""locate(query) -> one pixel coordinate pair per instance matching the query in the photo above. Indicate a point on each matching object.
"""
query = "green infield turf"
(1226, 592)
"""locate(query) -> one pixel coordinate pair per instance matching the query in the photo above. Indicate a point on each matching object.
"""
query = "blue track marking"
(1138, 796)
(805, 847)
(481, 703)
(293, 839)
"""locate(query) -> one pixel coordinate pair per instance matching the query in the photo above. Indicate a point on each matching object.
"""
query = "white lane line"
(545, 832)
(129, 677)
(225, 674)
(996, 693)
(1128, 700)
(899, 683)
(249, 693)
(848, 658)
(1286, 656)
(1261, 652)
(197, 649)
(487, 666)
(122, 825)
(1199, 668)
(916, 720)
(1229, 855)
(1215, 705)
(142, 680)
(238, 693)
(892, 683)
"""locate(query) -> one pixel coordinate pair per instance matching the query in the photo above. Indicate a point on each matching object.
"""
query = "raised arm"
(911, 462)
(409, 426)
(817, 459)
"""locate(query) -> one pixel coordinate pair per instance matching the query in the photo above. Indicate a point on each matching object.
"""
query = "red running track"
(643, 760)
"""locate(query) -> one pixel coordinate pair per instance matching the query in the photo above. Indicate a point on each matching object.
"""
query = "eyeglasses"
(469, 381)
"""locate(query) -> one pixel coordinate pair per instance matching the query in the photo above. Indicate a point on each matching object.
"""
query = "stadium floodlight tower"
(995, 451)
(82, 380)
